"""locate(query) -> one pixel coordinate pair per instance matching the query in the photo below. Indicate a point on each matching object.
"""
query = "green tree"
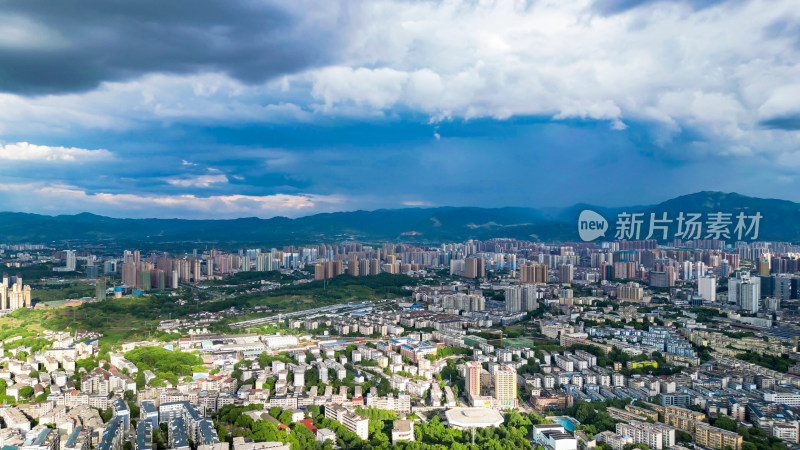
(682, 436)
(26, 392)
(726, 423)
(141, 381)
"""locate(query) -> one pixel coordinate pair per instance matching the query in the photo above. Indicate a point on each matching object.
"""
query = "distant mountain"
(412, 224)
(781, 221)
(780, 218)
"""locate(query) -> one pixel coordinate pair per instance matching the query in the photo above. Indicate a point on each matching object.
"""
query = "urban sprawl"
(479, 344)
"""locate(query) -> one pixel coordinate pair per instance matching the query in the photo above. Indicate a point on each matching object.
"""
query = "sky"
(206, 109)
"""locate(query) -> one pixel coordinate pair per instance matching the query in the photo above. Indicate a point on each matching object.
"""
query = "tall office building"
(783, 287)
(707, 288)
(505, 387)
(767, 286)
(72, 260)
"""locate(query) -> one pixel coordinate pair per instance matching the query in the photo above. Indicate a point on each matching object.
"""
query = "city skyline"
(393, 224)
(269, 109)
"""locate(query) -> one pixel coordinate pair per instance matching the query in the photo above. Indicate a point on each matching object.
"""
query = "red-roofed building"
(309, 423)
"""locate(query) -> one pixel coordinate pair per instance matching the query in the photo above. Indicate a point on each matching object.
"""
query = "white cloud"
(23, 151)
(783, 101)
(376, 88)
(416, 203)
(120, 106)
(202, 181)
(59, 198)
(714, 70)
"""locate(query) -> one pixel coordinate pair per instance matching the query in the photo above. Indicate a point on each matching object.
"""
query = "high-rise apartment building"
(654, 435)
(363, 267)
(707, 288)
(100, 289)
(717, 438)
(14, 296)
(472, 377)
(505, 387)
(129, 273)
(750, 295)
(566, 273)
(71, 260)
(474, 268)
(630, 292)
(624, 270)
(264, 262)
(328, 269)
(513, 299)
(353, 422)
(352, 267)
(533, 273)
(521, 298)
(745, 292)
(464, 302)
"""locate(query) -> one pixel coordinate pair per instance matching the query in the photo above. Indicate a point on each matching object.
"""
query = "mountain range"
(780, 222)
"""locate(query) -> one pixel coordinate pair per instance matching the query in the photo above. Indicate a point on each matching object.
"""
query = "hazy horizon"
(544, 209)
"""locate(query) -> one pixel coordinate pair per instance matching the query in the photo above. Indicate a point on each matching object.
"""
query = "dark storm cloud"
(88, 42)
(611, 7)
(789, 123)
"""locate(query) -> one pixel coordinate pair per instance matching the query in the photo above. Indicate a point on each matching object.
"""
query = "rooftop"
(474, 417)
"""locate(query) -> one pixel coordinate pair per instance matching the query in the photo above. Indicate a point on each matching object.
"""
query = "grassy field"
(135, 317)
(71, 291)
